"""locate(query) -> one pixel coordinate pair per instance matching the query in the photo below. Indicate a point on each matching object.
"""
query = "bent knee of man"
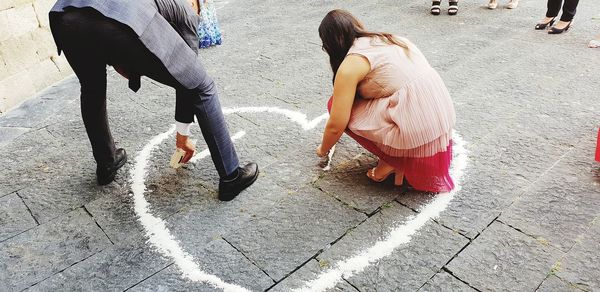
(207, 89)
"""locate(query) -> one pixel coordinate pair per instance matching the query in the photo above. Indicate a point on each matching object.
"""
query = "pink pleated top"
(405, 108)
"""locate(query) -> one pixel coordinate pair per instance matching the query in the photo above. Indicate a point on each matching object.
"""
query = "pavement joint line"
(444, 267)
(16, 128)
(457, 278)
(352, 285)
(247, 119)
(37, 223)
(249, 259)
(64, 269)
(542, 282)
(346, 204)
(329, 245)
(160, 270)
(49, 132)
(11, 192)
(97, 224)
(13, 236)
(451, 229)
(550, 245)
(567, 282)
(292, 272)
(407, 206)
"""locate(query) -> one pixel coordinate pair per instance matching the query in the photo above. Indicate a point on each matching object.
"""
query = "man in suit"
(153, 38)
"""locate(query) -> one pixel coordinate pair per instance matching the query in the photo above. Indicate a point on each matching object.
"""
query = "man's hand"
(184, 144)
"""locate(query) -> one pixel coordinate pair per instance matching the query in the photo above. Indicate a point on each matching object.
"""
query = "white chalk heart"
(162, 239)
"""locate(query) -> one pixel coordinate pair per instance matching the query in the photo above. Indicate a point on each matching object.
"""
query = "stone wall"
(28, 58)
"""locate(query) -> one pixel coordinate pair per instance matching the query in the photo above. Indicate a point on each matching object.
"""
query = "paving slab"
(14, 217)
(305, 222)
(214, 220)
(8, 134)
(504, 259)
(410, 265)
(113, 269)
(365, 195)
(115, 215)
(54, 173)
(580, 265)
(561, 206)
(524, 101)
(218, 258)
(306, 273)
(35, 111)
(41, 252)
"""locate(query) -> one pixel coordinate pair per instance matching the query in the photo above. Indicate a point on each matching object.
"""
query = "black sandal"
(541, 26)
(435, 7)
(453, 8)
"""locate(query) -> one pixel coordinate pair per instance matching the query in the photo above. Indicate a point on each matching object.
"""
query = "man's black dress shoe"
(105, 174)
(247, 175)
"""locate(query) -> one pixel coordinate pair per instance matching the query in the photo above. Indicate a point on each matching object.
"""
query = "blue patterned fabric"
(208, 30)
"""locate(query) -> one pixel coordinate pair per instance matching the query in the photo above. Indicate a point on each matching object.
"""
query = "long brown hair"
(338, 30)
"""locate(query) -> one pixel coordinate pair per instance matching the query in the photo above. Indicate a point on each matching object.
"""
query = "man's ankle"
(233, 176)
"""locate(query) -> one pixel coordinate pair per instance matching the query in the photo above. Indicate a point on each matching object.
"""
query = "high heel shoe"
(541, 26)
(435, 7)
(554, 30)
(452, 7)
(398, 178)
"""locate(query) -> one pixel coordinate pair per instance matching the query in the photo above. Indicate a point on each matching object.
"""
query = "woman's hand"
(320, 151)
(184, 143)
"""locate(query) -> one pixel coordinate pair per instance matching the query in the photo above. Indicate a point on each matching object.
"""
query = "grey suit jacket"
(155, 32)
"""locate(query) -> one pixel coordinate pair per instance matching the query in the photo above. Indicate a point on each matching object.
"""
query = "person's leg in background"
(553, 8)
(568, 10)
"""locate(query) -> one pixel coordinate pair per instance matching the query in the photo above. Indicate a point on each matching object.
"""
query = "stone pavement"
(527, 217)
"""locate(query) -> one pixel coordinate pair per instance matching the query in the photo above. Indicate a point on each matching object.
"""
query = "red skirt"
(598, 147)
(429, 174)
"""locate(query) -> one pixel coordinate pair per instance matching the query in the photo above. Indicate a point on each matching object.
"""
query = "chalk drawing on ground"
(161, 238)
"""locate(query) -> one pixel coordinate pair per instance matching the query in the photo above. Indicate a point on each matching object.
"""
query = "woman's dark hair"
(339, 29)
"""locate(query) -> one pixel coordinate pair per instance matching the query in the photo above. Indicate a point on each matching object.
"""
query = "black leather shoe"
(247, 175)
(105, 174)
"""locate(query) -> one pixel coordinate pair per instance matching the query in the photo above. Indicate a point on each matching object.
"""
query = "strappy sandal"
(435, 7)
(398, 179)
(453, 8)
(541, 26)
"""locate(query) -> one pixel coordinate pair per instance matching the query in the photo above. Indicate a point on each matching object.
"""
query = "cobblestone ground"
(526, 218)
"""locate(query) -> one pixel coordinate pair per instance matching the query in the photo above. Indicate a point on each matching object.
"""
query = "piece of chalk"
(177, 158)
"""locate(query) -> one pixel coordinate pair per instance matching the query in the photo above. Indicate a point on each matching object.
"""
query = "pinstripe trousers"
(91, 41)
